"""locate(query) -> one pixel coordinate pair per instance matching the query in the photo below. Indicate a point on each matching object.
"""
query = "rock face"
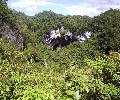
(55, 39)
(12, 37)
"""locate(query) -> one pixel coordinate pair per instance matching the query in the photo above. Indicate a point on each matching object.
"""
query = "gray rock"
(13, 37)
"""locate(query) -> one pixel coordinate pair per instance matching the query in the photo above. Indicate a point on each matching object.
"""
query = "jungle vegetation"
(88, 70)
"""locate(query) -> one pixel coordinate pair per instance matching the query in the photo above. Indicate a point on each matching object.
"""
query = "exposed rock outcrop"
(55, 40)
(12, 37)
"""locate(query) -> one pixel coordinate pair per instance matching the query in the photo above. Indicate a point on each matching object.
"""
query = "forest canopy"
(88, 70)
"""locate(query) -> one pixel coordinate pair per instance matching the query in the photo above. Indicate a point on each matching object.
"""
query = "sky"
(66, 7)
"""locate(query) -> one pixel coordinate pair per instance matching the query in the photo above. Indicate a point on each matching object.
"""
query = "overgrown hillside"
(12, 29)
(106, 28)
(88, 70)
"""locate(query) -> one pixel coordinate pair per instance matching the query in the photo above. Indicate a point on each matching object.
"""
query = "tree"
(106, 29)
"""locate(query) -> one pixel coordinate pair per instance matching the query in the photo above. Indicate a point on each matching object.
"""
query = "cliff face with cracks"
(10, 27)
(12, 36)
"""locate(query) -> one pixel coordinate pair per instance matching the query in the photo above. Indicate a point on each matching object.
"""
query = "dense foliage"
(79, 71)
(107, 30)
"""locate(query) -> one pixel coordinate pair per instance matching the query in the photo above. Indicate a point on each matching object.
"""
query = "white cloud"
(93, 7)
(117, 6)
(32, 9)
(82, 9)
(102, 1)
(26, 3)
(87, 7)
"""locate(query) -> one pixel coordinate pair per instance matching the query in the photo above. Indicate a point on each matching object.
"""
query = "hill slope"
(77, 71)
